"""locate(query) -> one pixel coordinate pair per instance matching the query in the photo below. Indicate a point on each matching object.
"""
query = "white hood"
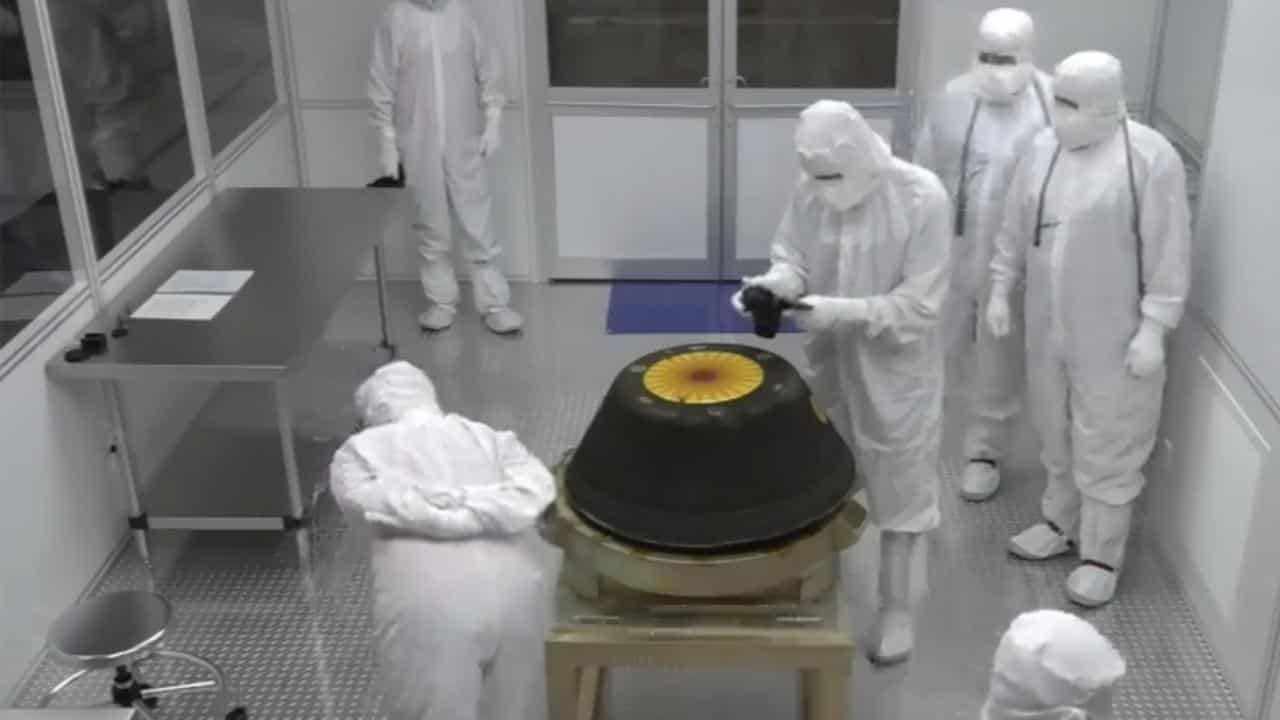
(442, 476)
(1003, 66)
(1089, 105)
(841, 153)
(1052, 665)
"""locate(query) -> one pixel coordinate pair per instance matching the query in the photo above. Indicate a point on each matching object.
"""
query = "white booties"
(903, 581)
(437, 318)
(1091, 586)
(1040, 542)
(980, 481)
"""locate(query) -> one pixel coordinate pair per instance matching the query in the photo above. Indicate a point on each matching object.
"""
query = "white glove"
(388, 154)
(736, 302)
(828, 313)
(492, 138)
(1146, 350)
(999, 316)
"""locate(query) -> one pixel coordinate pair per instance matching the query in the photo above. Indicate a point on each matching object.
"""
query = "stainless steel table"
(305, 247)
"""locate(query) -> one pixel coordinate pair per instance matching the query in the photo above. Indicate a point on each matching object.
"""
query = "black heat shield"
(728, 477)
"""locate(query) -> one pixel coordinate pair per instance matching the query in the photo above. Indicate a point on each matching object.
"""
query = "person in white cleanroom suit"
(864, 243)
(458, 592)
(437, 109)
(1052, 665)
(1098, 225)
(972, 139)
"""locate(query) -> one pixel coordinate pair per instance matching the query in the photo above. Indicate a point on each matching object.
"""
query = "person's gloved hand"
(388, 154)
(1146, 350)
(999, 315)
(827, 313)
(775, 282)
(736, 302)
(492, 138)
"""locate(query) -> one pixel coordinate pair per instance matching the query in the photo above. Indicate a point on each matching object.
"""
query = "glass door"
(780, 56)
(667, 125)
(634, 114)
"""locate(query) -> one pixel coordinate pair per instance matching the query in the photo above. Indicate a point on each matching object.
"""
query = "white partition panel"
(271, 161)
(631, 188)
(767, 172)
(1187, 86)
(331, 41)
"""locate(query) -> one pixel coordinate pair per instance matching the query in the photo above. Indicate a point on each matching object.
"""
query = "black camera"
(766, 309)
(389, 181)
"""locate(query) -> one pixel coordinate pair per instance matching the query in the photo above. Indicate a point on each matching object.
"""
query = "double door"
(664, 127)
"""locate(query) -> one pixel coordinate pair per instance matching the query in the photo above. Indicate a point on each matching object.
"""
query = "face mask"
(1077, 129)
(1001, 83)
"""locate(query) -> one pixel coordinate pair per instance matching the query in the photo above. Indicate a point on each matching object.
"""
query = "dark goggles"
(990, 58)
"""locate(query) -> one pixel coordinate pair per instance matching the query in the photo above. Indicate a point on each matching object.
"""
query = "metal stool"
(122, 631)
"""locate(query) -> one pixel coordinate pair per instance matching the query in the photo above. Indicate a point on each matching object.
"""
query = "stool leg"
(220, 680)
(66, 683)
(830, 695)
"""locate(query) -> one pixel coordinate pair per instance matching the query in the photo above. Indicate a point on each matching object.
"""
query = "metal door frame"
(744, 102)
(722, 103)
(547, 103)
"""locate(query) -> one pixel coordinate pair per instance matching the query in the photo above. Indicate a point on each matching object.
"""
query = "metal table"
(305, 248)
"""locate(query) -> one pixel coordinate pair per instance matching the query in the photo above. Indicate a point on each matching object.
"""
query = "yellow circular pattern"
(704, 378)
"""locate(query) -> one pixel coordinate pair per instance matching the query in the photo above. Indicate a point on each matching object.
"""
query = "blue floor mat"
(676, 309)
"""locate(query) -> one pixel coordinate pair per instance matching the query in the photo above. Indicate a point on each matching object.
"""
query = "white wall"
(65, 509)
(1125, 29)
(330, 48)
(1216, 483)
(1187, 85)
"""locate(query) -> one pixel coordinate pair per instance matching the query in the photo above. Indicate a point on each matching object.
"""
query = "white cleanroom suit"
(459, 600)
(972, 139)
(1098, 227)
(864, 243)
(437, 98)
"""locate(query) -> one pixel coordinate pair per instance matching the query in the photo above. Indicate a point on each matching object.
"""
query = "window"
(120, 76)
(233, 46)
(35, 267)
(818, 43)
(628, 43)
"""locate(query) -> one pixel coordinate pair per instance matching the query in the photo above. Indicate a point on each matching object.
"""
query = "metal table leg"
(284, 418)
(120, 447)
(380, 271)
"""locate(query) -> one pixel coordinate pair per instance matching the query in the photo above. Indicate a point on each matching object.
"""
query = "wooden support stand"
(806, 637)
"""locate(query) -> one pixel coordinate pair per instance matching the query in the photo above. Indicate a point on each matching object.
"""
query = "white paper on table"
(219, 282)
(42, 282)
(21, 308)
(182, 306)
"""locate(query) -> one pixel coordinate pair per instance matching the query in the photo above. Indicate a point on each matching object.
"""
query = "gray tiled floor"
(294, 635)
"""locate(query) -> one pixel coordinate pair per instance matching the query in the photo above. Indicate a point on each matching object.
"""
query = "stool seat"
(110, 630)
